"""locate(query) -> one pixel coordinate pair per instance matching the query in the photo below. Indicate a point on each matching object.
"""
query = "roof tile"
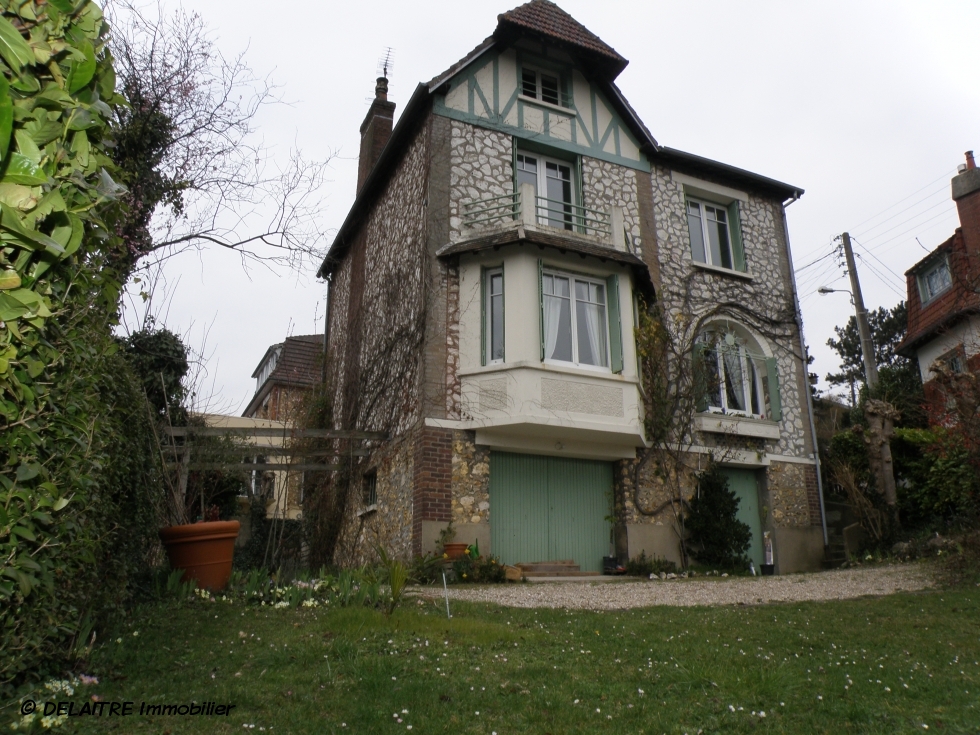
(548, 19)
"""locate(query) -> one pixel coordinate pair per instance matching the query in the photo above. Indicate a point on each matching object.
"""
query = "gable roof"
(547, 19)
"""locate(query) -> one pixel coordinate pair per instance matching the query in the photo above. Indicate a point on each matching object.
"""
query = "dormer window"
(540, 85)
(934, 281)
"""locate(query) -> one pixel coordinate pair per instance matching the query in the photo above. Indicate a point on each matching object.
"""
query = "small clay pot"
(454, 550)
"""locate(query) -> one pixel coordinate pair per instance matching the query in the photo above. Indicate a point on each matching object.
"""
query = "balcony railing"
(524, 206)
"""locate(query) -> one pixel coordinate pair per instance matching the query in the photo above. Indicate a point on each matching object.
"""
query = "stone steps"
(564, 568)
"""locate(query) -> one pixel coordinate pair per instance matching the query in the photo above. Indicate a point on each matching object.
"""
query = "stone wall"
(471, 479)
(611, 185)
(482, 163)
(764, 304)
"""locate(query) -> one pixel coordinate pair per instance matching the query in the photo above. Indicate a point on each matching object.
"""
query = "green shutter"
(775, 403)
(699, 377)
(615, 324)
(541, 306)
(735, 228)
(483, 316)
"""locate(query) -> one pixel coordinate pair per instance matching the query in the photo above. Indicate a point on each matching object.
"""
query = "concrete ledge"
(798, 549)
(656, 541)
(737, 425)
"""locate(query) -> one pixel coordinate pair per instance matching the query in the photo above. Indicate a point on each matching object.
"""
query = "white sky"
(867, 106)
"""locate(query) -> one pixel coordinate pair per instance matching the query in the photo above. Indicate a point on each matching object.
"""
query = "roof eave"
(738, 175)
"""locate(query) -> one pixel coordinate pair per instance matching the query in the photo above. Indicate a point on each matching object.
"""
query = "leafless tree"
(197, 173)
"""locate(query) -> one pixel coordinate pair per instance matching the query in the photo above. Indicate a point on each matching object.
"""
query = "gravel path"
(839, 584)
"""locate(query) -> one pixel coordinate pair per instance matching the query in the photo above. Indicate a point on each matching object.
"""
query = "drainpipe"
(326, 334)
(806, 376)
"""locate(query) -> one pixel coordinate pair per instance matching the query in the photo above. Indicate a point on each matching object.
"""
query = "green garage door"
(549, 509)
(746, 488)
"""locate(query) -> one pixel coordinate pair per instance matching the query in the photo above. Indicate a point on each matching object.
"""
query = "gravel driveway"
(840, 584)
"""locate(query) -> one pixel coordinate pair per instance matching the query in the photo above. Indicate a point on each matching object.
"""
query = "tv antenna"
(387, 62)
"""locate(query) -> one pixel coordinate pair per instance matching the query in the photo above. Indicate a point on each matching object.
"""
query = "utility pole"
(867, 346)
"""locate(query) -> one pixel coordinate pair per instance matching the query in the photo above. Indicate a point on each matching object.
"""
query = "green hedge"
(77, 472)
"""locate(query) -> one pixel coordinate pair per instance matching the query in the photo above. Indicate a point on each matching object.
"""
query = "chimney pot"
(381, 89)
(970, 163)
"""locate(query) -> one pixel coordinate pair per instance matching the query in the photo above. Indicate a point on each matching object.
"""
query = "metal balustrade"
(507, 208)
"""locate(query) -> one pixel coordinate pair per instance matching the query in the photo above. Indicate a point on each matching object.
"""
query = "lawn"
(903, 663)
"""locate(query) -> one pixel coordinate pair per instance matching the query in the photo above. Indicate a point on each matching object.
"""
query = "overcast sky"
(867, 106)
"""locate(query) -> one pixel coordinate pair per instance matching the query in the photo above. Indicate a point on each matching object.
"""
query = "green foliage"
(720, 539)
(159, 358)
(644, 566)
(939, 486)
(426, 569)
(479, 569)
(887, 330)
(78, 481)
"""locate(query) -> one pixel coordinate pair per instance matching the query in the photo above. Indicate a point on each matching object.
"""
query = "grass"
(876, 665)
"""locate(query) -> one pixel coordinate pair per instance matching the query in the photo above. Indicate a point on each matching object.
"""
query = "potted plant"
(450, 550)
(203, 549)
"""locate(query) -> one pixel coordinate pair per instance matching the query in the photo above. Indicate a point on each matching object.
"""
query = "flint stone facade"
(406, 319)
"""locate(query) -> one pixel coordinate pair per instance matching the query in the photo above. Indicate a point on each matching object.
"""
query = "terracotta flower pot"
(203, 550)
(454, 550)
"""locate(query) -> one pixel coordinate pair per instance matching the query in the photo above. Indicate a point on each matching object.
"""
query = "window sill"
(547, 105)
(723, 271)
(373, 508)
(565, 368)
(738, 425)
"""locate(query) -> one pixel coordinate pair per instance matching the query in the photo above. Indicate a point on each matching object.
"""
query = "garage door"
(549, 509)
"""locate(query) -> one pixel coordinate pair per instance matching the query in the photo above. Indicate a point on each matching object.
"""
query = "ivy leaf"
(65, 6)
(13, 47)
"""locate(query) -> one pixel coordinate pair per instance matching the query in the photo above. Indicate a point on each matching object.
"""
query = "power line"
(900, 279)
(813, 262)
(904, 222)
(941, 191)
(910, 229)
(880, 276)
(945, 175)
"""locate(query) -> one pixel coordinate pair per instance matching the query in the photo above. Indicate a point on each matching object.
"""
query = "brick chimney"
(375, 131)
(966, 193)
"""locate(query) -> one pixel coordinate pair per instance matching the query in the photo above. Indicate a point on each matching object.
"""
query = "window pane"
(697, 234)
(497, 326)
(529, 83)
(755, 402)
(527, 171)
(591, 323)
(558, 328)
(496, 284)
(712, 375)
(560, 193)
(937, 280)
(733, 376)
(561, 287)
(720, 247)
(549, 89)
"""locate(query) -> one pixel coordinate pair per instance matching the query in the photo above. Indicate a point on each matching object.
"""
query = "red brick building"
(944, 290)
(284, 374)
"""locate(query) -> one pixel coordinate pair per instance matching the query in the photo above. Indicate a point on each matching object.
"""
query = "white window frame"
(539, 92)
(543, 210)
(595, 281)
(746, 359)
(924, 292)
(705, 242)
(488, 296)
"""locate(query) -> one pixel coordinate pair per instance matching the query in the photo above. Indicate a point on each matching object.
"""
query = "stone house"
(484, 290)
(284, 375)
(944, 291)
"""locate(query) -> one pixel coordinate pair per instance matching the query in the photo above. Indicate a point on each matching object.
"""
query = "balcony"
(523, 207)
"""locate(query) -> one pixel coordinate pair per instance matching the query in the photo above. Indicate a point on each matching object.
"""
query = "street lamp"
(867, 346)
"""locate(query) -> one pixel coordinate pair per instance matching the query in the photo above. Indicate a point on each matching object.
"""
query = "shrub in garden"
(716, 534)
(644, 566)
(479, 569)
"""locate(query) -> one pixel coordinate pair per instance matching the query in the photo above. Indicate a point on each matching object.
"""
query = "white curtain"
(734, 381)
(592, 326)
(552, 315)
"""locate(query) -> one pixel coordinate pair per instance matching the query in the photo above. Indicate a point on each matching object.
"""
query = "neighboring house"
(285, 374)
(483, 296)
(944, 291)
